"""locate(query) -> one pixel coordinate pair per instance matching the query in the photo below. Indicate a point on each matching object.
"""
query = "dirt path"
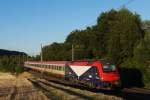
(18, 88)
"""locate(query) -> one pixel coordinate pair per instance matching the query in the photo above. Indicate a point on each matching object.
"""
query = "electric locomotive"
(95, 74)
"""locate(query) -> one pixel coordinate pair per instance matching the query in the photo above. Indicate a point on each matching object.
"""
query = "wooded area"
(12, 61)
(119, 36)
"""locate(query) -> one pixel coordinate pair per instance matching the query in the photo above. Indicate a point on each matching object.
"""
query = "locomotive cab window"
(109, 68)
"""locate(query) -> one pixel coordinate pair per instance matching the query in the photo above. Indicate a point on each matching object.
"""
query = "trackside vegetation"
(12, 61)
(119, 35)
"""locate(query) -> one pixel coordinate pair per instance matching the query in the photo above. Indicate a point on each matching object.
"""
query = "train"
(95, 73)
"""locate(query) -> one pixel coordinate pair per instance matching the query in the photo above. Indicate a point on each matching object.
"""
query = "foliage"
(114, 37)
(10, 53)
(118, 36)
(18, 69)
(13, 63)
(146, 25)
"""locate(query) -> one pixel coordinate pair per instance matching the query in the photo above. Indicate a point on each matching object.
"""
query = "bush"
(18, 69)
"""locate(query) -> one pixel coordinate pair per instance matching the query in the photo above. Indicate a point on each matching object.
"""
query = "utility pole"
(42, 62)
(41, 54)
(72, 52)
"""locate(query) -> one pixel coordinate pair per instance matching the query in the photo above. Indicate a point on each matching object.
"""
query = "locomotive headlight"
(90, 76)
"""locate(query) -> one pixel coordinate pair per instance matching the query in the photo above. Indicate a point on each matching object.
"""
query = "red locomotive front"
(93, 73)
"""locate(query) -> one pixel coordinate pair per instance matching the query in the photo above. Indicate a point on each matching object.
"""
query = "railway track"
(126, 93)
(67, 92)
(51, 88)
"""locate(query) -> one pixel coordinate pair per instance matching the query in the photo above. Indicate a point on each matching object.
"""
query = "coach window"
(62, 68)
(58, 67)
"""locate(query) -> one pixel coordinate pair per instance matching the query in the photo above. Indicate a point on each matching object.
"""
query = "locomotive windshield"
(109, 68)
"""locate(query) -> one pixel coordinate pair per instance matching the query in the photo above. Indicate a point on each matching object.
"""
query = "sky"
(25, 24)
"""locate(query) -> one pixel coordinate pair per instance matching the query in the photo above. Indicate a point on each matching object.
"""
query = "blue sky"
(25, 24)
